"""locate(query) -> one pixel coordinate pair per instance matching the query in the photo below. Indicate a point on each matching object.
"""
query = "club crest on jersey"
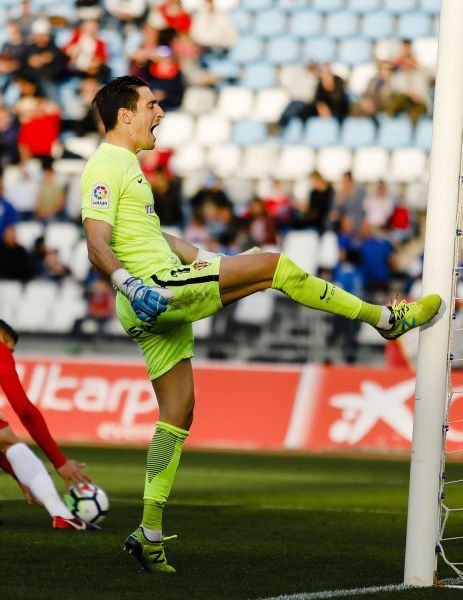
(100, 195)
(200, 264)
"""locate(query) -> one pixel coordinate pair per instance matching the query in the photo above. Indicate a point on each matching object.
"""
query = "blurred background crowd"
(302, 125)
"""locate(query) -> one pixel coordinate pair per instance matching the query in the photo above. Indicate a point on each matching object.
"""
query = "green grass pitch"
(250, 526)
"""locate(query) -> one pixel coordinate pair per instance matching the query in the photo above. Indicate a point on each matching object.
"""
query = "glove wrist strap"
(120, 279)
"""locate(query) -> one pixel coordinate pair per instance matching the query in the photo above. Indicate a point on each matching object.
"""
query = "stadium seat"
(174, 130)
(235, 102)
(114, 328)
(242, 20)
(321, 132)
(395, 132)
(119, 66)
(295, 162)
(62, 237)
(224, 160)
(425, 52)
(198, 100)
(328, 6)
(319, 49)
(256, 309)
(10, 299)
(258, 76)
(386, 49)
(224, 68)
(211, 130)
(305, 24)
(269, 104)
(258, 161)
(65, 313)
(247, 132)
(431, 7)
(256, 5)
(423, 134)
(69, 99)
(360, 78)
(239, 190)
(269, 23)
(357, 132)
(328, 256)
(27, 232)
(40, 290)
(32, 316)
(283, 50)
(301, 189)
(341, 24)
(246, 50)
(293, 133)
(203, 329)
(188, 159)
(407, 165)
(354, 51)
(113, 40)
(377, 25)
(333, 161)
(370, 164)
(398, 7)
(83, 146)
(79, 264)
(413, 25)
(302, 247)
(363, 6)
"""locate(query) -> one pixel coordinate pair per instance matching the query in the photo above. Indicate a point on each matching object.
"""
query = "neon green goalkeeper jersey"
(115, 190)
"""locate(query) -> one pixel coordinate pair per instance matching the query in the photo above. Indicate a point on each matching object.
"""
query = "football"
(88, 502)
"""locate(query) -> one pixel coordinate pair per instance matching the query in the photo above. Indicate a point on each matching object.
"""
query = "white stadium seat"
(10, 299)
(198, 100)
(78, 261)
(360, 77)
(33, 316)
(235, 102)
(174, 130)
(81, 146)
(303, 247)
(259, 160)
(27, 232)
(256, 309)
(224, 160)
(425, 52)
(407, 164)
(64, 314)
(212, 129)
(329, 250)
(188, 160)
(62, 237)
(370, 164)
(295, 161)
(239, 190)
(202, 329)
(333, 161)
(40, 290)
(270, 104)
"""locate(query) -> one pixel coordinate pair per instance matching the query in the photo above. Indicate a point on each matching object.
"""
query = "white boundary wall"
(423, 507)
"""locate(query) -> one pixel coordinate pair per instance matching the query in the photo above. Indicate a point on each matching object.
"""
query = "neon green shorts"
(170, 338)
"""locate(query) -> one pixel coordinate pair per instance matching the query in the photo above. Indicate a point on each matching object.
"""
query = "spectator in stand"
(400, 222)
(377, 260)
(127, 11)
(210, 192)
(301, 82)
(14, 259)
(100, 307)
(53, 267)
(405, 56)
(212, 30)
(89, 122)
(279, 205)
(196, 232)
(50, 197)
(378, 90)
(22, 188)
(11, 53)
(87, 52)
(165, 78)
(9, 131)
(171, 15)
(146, 52)
(223, 230)
(88, 9)
(42, 60)
(167, 197)
(8, 214)
(259, 224)
(349, 200)
(379, 205)
(37, 257)
(315, 214)
(346, 235)
(25, 18)
(40, 121)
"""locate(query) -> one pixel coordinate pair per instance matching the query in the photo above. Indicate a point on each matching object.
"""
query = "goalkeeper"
(164, 284)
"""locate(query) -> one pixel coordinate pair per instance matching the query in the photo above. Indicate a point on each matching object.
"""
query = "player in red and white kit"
(18, 460)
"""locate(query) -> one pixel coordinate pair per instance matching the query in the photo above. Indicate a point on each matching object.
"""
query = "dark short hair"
(119, 93)
(9, 331)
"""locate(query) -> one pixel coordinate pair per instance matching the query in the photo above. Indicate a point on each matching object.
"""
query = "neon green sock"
(319, 294)
(162, 462)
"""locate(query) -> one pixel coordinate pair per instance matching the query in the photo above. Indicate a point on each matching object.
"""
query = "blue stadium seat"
(256, 5)
(293, 133)
(363, 6)
(342, 24)
(270, 23)
(224, 68)
(248, 132)
(357, 132)
(328, 6)
(305, 24)
(319, 49)
(414, 24)
(283, 50)
(241, 19)
(431, 7)
(320, 132)
(258, 76)
(423, 134)
(399, 7)
(113, 40)
(354, 51)
(246, 50)
(378, 25)
(395, 132)
(293, 6)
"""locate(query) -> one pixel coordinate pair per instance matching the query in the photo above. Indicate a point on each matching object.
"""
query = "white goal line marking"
(343, 593)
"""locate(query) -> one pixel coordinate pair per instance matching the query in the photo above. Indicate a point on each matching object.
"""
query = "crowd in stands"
(45, 57)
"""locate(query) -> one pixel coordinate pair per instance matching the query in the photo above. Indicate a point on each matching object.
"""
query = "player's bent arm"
(148, 302)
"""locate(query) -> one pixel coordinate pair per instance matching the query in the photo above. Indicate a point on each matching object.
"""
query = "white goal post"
(438, 277)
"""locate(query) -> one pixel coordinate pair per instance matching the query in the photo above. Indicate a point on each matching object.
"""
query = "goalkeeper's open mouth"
(153, 127)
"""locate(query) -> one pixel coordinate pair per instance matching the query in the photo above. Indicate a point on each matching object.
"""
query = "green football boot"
(408, 315)
(150, 555)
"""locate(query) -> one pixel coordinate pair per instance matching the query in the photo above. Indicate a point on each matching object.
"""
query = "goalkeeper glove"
(148, 302)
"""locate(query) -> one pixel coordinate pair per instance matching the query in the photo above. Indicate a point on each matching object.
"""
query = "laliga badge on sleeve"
(100, 195)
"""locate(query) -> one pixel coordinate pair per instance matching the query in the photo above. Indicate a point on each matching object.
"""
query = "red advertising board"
(312, 407)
